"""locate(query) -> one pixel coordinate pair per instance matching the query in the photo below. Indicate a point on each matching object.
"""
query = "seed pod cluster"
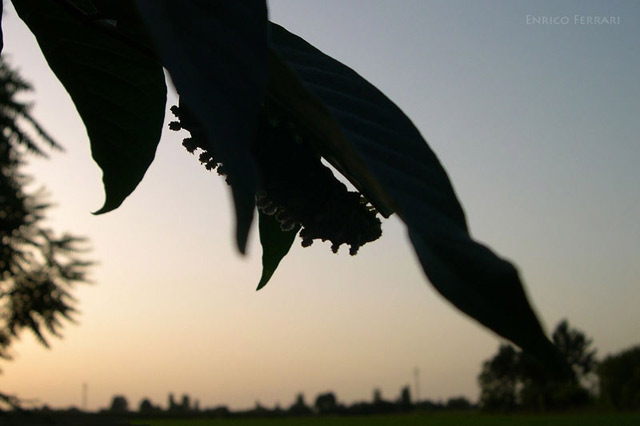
(296, 188)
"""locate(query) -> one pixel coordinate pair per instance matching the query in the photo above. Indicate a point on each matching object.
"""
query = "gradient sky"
(537, 126)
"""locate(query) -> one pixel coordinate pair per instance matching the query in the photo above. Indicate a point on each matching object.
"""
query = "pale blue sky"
(538, 128)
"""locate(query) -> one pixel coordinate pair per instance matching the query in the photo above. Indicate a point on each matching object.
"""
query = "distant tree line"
(325, 403)
(509, 381)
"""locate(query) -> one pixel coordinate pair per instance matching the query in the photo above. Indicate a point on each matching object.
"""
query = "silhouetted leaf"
(216, 54)
(393, 162)
(275, 245)
(119, 92)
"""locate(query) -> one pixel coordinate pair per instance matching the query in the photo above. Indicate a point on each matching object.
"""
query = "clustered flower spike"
(296, 188)
(197, 140)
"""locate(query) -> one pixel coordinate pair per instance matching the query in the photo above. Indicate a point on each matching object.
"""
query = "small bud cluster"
(197, 140)
(296, 188)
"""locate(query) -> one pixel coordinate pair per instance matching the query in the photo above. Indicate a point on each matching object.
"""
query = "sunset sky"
(538, 126)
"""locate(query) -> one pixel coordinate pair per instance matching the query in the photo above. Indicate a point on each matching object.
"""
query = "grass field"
(429, 419)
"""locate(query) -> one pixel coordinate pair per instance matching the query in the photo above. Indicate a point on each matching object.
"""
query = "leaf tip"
(244, 201)
(104, 209)
(109, 205)
(241, 241)
(263, 282)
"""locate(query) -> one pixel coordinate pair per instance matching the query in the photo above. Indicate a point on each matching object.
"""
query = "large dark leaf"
(118, 90)
(362, 127)
(275, 245)
(216, 52)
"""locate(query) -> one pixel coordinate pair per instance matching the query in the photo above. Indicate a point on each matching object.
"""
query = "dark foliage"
(38, 268)
(458, 403)
(576, 348)
(514, 380)
(327, 403)
(147, 407)
(498, 380)
(119, 404)
(619, 376)
(300, 407)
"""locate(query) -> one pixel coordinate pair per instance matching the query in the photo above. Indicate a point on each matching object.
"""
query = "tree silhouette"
(147, 407)
(498, 380)
(326, 403)
(300, 407)
(619, 376)
(37, 267)
(513, 379)
(575, 347)
(405, 398)
(119, 404)
(541, 391)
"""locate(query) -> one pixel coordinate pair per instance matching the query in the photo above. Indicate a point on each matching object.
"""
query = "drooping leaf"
(382, 152)
(216, 54)
(275, 245)
(118, 90)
